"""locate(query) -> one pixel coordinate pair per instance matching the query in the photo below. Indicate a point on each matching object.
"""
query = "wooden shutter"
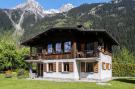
(107, 66)
(44, 67)
(54, 67)
(96, 67)
(82, 66)
(71, 67)
(60, 67)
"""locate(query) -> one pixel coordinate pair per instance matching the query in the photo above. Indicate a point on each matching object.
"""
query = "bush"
(8, 74)
(22, 73)
(123, 70)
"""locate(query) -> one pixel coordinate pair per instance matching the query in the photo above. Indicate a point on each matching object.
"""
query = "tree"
(124, 56)
(11, 54)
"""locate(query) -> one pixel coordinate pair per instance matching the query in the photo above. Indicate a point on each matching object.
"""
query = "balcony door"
(89, 49)
(40, 69)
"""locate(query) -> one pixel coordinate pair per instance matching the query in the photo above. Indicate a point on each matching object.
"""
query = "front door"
(40, 69)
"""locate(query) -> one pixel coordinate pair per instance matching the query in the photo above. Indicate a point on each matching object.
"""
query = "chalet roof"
(79, 29)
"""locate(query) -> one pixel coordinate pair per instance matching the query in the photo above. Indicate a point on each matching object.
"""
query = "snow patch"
(116, 1)
(93, 10)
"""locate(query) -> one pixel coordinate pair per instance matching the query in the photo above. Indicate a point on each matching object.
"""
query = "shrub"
(22, 73)
(123, 69)
(8, 74)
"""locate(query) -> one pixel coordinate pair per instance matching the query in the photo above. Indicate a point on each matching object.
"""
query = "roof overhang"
(100, 31)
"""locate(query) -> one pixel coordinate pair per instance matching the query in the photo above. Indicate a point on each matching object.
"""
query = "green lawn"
(13, 83)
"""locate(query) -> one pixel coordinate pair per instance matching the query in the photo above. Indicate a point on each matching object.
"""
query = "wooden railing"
(87, 54)
(55, 56)
(81, 54)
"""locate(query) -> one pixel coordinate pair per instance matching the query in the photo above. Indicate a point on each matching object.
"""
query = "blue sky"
(48, 4)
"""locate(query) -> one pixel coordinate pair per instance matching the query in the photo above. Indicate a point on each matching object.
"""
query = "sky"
(47, 4)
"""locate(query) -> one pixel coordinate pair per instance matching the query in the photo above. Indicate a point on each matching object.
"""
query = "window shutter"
(54, 67)
(44, 67)
(82, 66)
(71, 67)
(60, 67)
(96, 67)
(107, 66)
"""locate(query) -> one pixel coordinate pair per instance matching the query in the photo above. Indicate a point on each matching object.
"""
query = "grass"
(13, 83)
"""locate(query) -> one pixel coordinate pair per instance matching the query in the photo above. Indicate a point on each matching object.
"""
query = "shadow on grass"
(132, 81)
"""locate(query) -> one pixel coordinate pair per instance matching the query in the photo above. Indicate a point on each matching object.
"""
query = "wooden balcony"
(80, 54)
(55, 56)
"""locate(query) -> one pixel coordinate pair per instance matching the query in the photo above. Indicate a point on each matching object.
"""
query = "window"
(66, 67)
(58, 48)
(103, 66)
(39, 50)
(89, 67)
(109, 66)
(90, 47)
(67, 46)
(50, 48)
(50, 66)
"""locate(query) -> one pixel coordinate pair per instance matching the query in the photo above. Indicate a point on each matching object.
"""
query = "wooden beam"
(74, 49)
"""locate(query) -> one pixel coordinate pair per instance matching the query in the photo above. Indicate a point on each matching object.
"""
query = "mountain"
(32, 6)
(117, 17)
(116, 1)
(66, 8)
(26, 15)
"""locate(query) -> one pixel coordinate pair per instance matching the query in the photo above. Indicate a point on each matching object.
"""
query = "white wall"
(105, 74)
(101, 75)
(62, 75)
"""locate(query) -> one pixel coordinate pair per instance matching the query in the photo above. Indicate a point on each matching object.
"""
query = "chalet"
(72, 53)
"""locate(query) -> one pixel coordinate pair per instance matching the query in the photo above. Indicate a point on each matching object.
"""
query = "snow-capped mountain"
(27, 14)
(66, 8)
(51, 11)
(33, 6)
(116, 1)
(36, 8)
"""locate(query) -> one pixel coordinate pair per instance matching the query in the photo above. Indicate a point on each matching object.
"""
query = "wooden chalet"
(72, 53)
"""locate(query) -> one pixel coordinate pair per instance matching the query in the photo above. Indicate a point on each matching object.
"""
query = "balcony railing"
(70, 55)
(87, 54)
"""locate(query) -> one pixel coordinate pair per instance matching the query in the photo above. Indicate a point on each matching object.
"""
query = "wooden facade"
(69, 44)
(83, 44)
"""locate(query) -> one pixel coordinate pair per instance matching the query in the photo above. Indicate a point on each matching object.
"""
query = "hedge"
(123, 70)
